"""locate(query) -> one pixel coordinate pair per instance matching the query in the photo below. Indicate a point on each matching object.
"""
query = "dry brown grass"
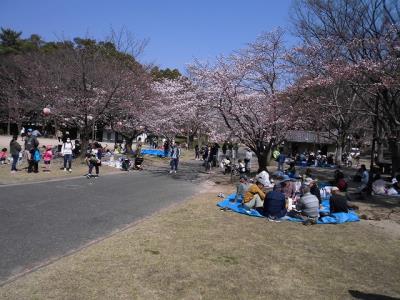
(196, 251)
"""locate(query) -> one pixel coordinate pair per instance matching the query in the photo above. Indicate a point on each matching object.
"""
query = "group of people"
(213, 155)
(298, 198)
(33, 154)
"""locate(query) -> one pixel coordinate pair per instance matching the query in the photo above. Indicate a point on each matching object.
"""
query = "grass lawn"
(196, 251)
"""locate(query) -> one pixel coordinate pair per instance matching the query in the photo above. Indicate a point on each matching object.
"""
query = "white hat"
(260, 181)
(394, 181)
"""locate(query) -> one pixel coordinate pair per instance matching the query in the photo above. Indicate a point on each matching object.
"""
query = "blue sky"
(178, 30)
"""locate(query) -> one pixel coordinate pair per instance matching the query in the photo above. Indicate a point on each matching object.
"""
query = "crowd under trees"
(342, 79)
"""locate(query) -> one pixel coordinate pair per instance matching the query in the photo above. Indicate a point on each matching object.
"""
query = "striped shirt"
(309, 205)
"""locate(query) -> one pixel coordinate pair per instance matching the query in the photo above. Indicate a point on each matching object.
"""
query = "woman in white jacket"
(66, 152)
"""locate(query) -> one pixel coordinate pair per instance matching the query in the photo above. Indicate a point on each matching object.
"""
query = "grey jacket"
(31, 143)
(309, 205)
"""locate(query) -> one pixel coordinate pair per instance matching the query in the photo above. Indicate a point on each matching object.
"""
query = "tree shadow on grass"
(368, 296)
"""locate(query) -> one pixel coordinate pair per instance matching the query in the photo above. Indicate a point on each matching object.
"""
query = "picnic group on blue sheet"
(297, 198)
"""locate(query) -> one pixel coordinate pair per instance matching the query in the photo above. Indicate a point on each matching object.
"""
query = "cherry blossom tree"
(86, 81)
(178, 110)
(364, 39)
(247, 91)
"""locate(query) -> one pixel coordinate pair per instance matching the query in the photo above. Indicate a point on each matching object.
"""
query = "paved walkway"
(47, 220)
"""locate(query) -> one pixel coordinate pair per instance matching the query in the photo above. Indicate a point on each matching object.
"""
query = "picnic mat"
(335, 218)
(155, 152)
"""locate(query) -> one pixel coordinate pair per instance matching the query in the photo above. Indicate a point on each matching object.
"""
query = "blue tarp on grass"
(335, 218)
(155, 152)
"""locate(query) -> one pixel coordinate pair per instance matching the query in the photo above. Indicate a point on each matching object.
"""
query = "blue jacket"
(275, 204)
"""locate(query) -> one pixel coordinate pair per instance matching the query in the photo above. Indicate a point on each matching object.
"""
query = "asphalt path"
(43, 221)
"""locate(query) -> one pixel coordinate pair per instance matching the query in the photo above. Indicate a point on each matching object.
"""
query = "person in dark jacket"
(339, 203)
(15, 149)
(31, 146)
(275, 203)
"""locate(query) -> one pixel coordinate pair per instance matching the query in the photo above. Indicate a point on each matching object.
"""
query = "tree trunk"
(84, 140)
(128, 145)
(262, 157)
(338, 156)
(394, 145)
(9, 127)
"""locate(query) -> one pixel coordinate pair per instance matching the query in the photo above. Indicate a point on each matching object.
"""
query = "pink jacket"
(3, 155)
(48, 155)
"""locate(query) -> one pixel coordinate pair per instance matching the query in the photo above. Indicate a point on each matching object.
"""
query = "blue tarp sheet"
(155, 152)
(335, 218)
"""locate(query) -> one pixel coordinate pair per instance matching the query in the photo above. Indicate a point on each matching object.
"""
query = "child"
(92, 161)
(3, 156)
(242, 167)
(47, 157)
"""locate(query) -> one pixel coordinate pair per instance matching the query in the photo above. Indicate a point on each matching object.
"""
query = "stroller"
(138, 163)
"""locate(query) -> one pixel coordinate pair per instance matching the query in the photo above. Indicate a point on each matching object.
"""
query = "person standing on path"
(15, 149)
(66, 152)
(59, 135)
(31, 146)
(175, 154)
(47, 157)
(196, 152)
(247, 160)
(22, 133)
(138, 148)
(281, 160)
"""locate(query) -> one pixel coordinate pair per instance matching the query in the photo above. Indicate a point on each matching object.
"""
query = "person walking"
(15, 149)
(175, 154)
(66, 152)
(196, 152)
(247, 160)
(93, 162)
(31, 149)
(138, 148)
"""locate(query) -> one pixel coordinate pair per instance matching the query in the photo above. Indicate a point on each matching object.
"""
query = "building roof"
(311, 137)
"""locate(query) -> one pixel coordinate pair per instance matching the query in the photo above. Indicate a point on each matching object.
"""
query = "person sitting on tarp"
(288, 186)
(241, 188)
(275, 203)
(264, 178)
(291, 172)
(339, 203)
(254, 197)
(314, 188)
(307, 208)
(339, 181)
(364, 179)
